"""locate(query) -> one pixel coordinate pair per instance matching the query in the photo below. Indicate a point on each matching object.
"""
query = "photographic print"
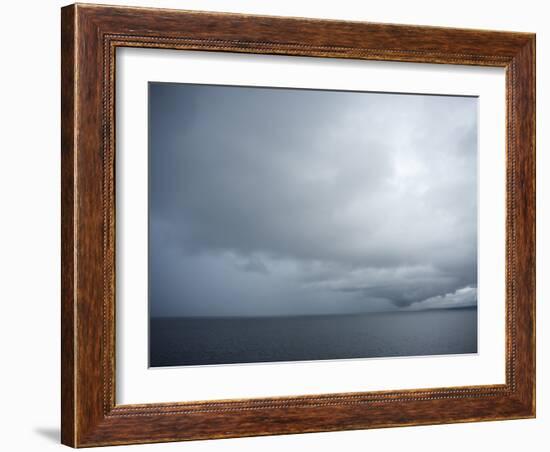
(302, 224)
(294, 217)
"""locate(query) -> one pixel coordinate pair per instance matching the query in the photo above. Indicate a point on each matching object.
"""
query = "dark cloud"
(273, 202)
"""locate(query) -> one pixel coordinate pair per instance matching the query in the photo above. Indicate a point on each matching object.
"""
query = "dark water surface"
(199, 341)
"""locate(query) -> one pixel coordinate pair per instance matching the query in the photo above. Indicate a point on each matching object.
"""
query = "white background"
(138, 384)
(29, 231)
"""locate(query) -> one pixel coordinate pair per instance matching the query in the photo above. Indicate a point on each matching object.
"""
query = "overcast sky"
(270, 202)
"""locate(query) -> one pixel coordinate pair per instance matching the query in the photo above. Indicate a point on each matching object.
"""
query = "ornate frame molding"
(90, 36)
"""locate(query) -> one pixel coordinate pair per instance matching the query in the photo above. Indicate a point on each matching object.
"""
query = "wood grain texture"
(90, 36)
(68, 147)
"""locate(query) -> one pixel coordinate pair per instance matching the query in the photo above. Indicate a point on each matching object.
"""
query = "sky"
(282, 202)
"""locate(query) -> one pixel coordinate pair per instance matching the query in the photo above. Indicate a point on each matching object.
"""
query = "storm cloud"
(268, 201)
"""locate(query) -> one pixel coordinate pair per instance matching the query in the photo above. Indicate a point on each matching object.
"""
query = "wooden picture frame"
(90, 36)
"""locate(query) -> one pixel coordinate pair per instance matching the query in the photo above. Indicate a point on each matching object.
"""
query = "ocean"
(201, 341)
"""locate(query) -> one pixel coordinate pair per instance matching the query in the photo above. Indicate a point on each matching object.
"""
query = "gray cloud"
(276, 202)
(461, 298)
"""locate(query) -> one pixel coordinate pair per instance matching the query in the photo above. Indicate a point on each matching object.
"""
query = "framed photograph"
(280, 225)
